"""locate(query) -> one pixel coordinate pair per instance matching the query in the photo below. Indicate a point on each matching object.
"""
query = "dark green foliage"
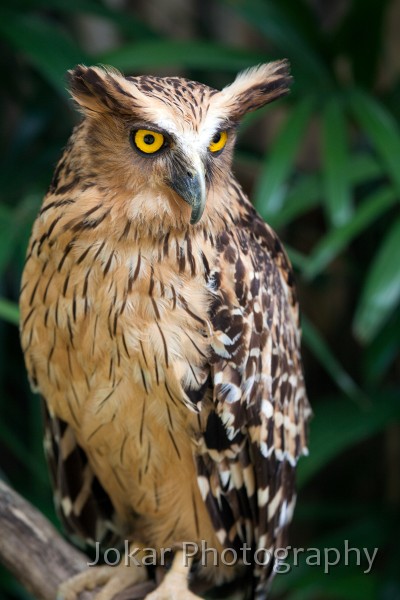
(328, 181)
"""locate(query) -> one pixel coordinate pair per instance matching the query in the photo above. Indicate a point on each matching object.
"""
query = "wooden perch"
(40, 559)
(36, 554)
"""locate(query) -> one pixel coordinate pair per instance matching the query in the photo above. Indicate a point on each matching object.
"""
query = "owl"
(160, 326)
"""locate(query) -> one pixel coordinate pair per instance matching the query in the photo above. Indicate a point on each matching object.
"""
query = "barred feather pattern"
(82, 504)
(257, 425)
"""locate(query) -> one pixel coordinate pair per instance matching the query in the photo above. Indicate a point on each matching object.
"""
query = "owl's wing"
(257, 424)
(82, 504)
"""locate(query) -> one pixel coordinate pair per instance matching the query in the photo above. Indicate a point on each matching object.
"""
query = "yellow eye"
(148, 141)
(218, 141)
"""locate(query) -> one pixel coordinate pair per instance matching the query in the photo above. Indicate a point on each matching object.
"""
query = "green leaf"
(319, 348)
(383, 350)
(271, 186)
(364, 20)
(270, 18)
(305, 194)
(381, 293)
(338, 199)
(43, 44)
(298, 260)
(347, 579)
(253, 117)
(336, 240)
(19, 450)
(338, 425)
(125, 21)
(15, 228)
(381, 128)
(311, 583)
(191, 54)
(7, 237)
(362, 168)
(9, 311)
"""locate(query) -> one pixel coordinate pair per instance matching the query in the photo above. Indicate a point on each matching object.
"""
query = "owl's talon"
(174, 586)
(172, 592)
(114, 579)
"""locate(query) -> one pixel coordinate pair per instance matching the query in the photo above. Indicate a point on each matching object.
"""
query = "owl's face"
(165, 145)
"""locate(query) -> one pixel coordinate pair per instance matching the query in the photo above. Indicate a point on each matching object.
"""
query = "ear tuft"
(96, 89)
(256, 87)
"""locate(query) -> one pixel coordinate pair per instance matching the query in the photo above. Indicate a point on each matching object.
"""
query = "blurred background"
(322, 167)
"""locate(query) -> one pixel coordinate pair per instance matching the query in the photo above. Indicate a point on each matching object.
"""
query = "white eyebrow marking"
(187, 137)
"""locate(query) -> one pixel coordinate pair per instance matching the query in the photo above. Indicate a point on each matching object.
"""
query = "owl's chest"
(117, 338)
(117, 344)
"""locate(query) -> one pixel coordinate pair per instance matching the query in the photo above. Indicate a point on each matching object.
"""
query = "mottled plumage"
(159, 323)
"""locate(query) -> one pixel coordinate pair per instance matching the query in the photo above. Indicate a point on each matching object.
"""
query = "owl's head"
(167, 142)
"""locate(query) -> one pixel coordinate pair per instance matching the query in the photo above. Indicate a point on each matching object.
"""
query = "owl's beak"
(190, 185)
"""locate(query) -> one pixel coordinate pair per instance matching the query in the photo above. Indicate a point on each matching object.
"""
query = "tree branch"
(36, 554)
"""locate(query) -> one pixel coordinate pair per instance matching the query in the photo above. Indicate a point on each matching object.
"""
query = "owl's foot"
(174, 586)
(114, 579)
